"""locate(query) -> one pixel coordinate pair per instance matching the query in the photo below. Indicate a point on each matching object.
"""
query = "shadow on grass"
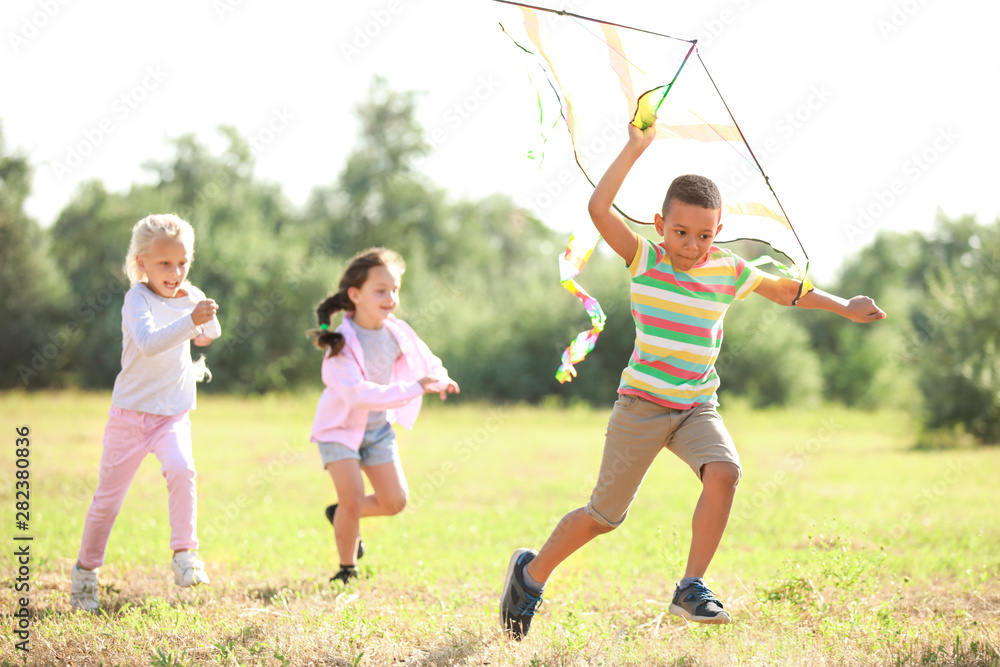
(455, 652)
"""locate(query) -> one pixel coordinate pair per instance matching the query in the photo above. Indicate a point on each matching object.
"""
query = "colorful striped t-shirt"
(678, 323)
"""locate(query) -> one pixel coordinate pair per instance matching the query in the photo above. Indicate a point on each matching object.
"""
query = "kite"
(600, 76)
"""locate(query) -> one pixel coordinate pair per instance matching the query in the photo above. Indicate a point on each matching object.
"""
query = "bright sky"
(878, 112)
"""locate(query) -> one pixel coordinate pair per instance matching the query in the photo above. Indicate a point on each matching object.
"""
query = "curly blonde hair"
(146, 231)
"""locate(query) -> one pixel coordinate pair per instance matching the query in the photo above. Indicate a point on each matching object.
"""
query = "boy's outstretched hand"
(862, 309)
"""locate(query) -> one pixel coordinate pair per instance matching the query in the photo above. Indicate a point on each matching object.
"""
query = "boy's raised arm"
(608, 222)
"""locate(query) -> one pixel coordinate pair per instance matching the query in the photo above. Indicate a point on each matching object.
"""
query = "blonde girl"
(152, 398)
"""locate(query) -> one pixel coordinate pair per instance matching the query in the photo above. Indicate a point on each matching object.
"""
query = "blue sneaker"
(518, 602)
(697, 603)
(331, 511)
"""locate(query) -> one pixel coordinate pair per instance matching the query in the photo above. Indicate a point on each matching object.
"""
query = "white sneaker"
(188, 569)
(83, 589)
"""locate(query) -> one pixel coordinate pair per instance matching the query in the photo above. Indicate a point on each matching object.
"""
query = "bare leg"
(391, 491)
(346, 475)
(711, 514)
(574, 530)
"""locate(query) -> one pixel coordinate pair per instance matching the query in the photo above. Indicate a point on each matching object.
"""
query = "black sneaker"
(696, 603)
(518, 602)
(331, 510)
(346, 575)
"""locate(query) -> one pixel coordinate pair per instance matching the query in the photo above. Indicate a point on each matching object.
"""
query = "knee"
(601, 529)
(350, 503)
(595, 526)
(104, 508)
(177, 467)
(396, 503)
(721, 475)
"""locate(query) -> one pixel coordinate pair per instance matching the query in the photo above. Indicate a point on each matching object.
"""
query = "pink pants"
(128, 437)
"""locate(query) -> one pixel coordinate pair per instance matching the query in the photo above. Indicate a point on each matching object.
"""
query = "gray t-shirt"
(380, 348)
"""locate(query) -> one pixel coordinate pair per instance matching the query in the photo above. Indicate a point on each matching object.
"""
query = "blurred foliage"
(937, 352)
(481, 288)
(767, 357)
(38, 349)
(959, 327)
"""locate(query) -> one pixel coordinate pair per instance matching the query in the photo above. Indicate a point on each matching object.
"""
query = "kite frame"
(566, 370)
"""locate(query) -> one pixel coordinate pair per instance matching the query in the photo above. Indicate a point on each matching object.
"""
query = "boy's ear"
(658, 223)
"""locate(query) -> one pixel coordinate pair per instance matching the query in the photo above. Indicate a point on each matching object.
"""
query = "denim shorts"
(378, 446)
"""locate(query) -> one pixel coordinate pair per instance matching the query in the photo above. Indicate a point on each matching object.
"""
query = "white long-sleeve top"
(158, 375)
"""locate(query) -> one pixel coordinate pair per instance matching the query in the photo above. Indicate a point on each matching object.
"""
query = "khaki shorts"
(637, 431)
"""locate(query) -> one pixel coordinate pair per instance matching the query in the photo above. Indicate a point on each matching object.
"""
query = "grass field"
(845, 546)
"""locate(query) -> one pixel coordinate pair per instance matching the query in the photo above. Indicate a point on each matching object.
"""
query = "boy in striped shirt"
(680, 291)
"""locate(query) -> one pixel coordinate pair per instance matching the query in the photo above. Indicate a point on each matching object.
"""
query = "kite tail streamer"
(579, 249)
(571, 262)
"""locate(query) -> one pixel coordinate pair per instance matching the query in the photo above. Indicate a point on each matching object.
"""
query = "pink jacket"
(342, 412)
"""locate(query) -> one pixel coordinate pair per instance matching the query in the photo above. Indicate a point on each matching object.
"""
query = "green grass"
(845, 545)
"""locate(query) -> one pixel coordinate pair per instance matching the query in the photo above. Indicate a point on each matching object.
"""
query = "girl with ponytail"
(376, 371)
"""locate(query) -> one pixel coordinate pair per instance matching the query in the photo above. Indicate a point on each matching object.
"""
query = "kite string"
(563, 12)
(804, 284)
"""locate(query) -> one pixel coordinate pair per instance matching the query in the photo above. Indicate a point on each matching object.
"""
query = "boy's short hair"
(694, 190)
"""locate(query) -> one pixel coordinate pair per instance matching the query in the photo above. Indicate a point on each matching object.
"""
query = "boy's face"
(688, 232)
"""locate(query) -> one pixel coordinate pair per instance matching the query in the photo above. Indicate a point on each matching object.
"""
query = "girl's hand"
(204, 311)
(442, 385)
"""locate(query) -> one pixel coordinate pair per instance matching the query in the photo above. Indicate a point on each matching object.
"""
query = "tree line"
(481, 287)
